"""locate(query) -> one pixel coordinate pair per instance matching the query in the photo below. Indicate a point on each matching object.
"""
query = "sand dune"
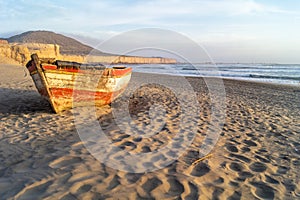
(256, 157)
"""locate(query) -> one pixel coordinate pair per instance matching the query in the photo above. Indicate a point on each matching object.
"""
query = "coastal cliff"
(21, 52)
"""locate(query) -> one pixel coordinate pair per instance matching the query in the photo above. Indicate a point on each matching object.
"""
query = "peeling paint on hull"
(70, 87)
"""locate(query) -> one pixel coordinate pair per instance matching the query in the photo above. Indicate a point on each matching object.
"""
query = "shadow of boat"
(17, 101)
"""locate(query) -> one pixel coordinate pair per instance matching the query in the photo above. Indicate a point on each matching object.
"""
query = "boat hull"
(69, 87)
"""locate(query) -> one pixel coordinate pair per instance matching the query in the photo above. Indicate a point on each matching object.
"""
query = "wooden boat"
(69, 84)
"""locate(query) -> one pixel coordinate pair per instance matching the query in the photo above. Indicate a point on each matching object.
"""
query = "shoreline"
(283, 82)
(228, 79)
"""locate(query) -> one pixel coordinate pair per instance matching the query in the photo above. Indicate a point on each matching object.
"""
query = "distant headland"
(17, 50)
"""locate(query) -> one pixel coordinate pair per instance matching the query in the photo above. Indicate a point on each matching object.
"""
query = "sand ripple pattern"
(256, 157)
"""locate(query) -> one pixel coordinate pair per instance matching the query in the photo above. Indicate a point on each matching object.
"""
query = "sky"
(252, 31)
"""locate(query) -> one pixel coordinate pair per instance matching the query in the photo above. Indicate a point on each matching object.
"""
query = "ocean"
(288, 74)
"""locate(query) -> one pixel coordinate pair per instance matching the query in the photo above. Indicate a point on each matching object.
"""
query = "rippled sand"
(256, 155)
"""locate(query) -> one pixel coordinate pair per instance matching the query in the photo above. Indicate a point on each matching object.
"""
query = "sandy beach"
(257, 155)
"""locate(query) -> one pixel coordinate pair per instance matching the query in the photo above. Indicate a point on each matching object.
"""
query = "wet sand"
(256, 156)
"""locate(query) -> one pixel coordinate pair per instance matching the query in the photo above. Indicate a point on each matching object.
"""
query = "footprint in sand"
(263, 191)
(217, 192)
(258, 167)
(231, 148)
(245, 149)
(250, 143)
(236, 167)
(218, 181)
(176, 188)
(244, 175)
(151, 184)
(200, 169)
(132, 177)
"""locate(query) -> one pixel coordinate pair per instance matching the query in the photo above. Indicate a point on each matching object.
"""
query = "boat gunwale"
(112, 72)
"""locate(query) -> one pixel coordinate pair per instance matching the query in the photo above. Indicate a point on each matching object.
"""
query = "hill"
(67, 45)
(48, 44)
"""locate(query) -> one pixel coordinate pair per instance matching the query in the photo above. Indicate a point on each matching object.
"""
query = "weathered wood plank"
(76, 85)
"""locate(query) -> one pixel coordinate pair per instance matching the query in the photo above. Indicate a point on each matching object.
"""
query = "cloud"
(237, 7)
(228, 23)
(96, 14)
(148, 11)
(113, 15)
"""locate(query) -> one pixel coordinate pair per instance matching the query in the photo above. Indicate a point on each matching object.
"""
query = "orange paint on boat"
(57, 84)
